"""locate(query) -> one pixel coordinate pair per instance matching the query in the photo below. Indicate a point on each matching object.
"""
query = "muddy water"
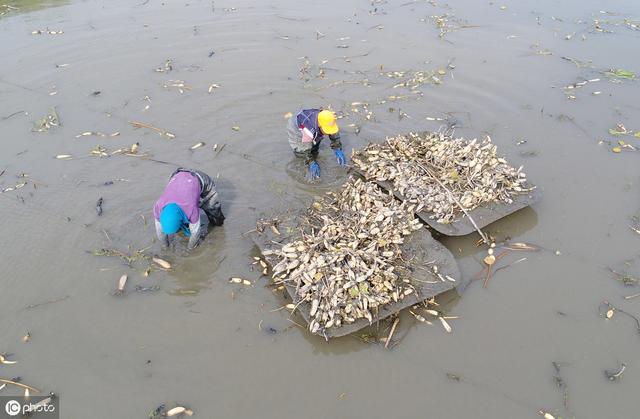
(201, 342)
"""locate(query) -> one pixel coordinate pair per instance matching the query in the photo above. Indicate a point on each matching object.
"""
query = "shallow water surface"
(208, 344)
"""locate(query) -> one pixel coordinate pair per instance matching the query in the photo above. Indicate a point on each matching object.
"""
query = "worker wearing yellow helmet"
(306, 129)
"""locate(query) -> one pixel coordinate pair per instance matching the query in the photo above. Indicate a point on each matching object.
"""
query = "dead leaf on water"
(235, 128)
(621, 74)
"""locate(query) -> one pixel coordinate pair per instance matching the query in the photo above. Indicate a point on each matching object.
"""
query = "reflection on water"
(13, 7)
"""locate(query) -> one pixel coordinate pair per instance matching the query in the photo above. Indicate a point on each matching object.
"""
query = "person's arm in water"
(194, 239)
(336, 145)
(163, 238)
(308, 145)
(312, 164)
(314, 170)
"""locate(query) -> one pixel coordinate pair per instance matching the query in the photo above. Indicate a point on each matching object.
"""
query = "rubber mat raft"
(420, 250)
(457, 156)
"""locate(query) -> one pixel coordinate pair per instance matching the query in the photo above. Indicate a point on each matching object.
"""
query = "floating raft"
(420, 248)
(461, 225)
(483, 216)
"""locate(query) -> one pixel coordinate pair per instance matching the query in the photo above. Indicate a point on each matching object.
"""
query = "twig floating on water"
(296, 19)
(26, 387)
(138, 124)
(4, 118)
(393, 329)
(46, 302)
(511, 264)
(610, 309)
(220, 149)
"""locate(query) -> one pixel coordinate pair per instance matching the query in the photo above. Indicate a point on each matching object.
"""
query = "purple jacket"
(183, 189)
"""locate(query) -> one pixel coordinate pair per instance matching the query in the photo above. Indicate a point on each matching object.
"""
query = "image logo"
(12, 408)
(37, 406)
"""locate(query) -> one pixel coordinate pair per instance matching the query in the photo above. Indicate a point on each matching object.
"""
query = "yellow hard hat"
(327, 122)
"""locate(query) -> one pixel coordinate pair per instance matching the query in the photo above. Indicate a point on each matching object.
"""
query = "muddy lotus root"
(346, 262)
(470, 173)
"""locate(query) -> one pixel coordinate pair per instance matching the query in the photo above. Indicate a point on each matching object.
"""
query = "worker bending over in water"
(188, 204)
(306, 129)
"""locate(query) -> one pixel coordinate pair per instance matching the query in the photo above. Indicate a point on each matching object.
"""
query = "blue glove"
(340, 157)
(314, 170)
